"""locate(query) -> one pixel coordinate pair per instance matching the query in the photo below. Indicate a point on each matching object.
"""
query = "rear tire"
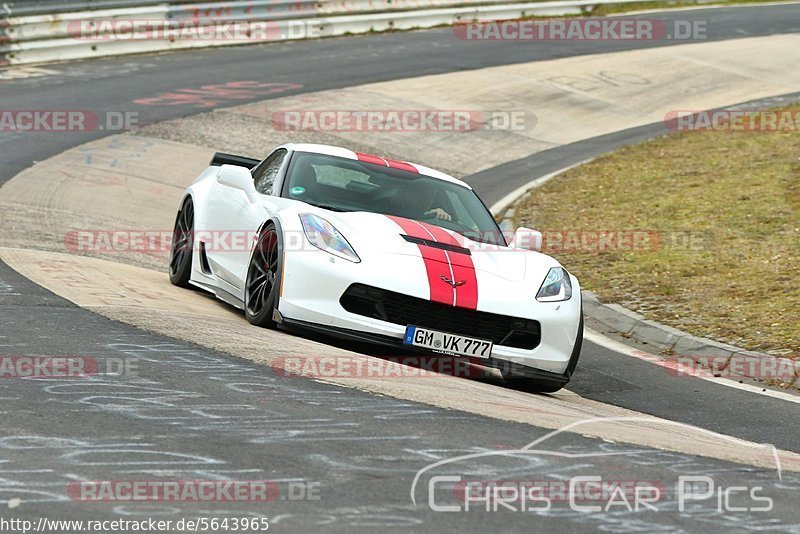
(518, 380)
(263, 281)
(180, 252)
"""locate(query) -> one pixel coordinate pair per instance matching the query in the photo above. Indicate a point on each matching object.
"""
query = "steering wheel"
(433, 217)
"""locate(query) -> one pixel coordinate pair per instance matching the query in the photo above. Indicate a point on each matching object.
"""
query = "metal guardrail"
(41, 31)
(20, 8)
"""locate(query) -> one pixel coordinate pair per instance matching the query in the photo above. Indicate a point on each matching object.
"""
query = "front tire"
(262, 285)
(180, 253)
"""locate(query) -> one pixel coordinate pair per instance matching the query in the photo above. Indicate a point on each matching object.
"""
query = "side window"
(265, 174)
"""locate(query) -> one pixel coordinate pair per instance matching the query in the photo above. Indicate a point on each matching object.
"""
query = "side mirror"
(527, 239)
(238, 178)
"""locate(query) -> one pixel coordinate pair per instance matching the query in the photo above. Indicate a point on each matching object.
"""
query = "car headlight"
(556, 286)
(325, 236)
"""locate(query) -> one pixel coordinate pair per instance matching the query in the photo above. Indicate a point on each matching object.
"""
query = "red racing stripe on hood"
(440, 265)
(463, 268)
(436, 264)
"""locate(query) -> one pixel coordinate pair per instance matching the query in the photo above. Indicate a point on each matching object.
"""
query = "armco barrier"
(31, 34)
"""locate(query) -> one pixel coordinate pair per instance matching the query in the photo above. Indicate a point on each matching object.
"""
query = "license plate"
(447, 343)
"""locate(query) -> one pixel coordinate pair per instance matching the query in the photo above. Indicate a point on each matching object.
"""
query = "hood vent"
(436, 244)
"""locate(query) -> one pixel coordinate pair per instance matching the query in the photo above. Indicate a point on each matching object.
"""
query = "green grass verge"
(736, 195)
(603, 9)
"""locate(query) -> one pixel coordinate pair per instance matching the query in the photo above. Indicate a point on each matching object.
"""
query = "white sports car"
(358, 246)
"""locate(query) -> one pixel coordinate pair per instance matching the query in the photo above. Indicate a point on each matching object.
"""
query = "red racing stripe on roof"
(369, 158)
(393, 163)
(401, 165)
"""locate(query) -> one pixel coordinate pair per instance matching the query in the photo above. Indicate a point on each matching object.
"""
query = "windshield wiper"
(327, 207)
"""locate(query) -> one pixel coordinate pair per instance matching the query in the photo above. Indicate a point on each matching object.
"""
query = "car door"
(237, 219)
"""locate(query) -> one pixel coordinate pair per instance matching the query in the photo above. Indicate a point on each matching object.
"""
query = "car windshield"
(343, 184)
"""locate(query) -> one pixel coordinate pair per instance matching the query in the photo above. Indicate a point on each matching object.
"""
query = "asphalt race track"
(343, 459)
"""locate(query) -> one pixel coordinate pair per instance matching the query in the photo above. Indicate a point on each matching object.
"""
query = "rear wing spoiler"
(220, 158)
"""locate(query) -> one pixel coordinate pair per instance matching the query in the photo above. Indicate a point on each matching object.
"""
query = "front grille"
(405, 310)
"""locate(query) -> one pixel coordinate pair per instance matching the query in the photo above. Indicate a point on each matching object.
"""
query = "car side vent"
(204, 265)
(436, 244)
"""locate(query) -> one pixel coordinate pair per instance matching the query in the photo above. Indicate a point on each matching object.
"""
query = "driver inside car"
(418, 202)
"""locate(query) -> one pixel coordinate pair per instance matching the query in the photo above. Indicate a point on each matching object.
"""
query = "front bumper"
(504, 365)
(314, 281)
